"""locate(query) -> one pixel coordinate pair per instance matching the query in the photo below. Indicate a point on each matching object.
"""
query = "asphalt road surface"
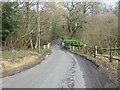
(61, 69)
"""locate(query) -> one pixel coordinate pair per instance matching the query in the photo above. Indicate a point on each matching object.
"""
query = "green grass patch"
(42, 51)
(21, 53)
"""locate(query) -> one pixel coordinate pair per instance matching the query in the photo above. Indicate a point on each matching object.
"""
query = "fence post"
(95, 51)
(63, 44)
(73, 48)
(70, 47)
(44, 46)
(110, 50)
(110, 54)
(48, 46)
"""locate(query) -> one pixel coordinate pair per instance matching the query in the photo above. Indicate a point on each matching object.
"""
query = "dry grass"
(13, 60)
(21, 61)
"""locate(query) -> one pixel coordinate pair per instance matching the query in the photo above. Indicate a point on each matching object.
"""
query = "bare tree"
(119, 27)
(28, 19)
(38, 26)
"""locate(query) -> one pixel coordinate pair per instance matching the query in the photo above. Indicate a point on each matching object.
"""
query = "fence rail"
(107, 56)
(109, 48)
(96, 49)
(110, 56)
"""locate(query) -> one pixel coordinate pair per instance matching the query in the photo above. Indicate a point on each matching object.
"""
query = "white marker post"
(70, 47)
(44, 46)
(63, 44)
(48, 45)
(73, 48)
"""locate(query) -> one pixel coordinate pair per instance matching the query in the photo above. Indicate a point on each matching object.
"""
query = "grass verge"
(15, 61)
(110, 68)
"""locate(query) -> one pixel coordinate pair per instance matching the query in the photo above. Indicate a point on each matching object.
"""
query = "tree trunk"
(30, 37)
(5, 43)
(36, 44)
(38, 26)
(118, 27)
(28, 26)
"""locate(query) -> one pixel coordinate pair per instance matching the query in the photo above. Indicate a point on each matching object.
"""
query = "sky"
(110, 1)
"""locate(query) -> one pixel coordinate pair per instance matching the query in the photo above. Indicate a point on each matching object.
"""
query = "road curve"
(54, 72)
(61, 69)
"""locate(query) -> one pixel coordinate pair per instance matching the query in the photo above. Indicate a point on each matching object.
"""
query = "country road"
(61, 69)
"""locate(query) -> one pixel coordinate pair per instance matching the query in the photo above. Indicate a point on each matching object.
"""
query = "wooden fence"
(96, 53)
(110, 56)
